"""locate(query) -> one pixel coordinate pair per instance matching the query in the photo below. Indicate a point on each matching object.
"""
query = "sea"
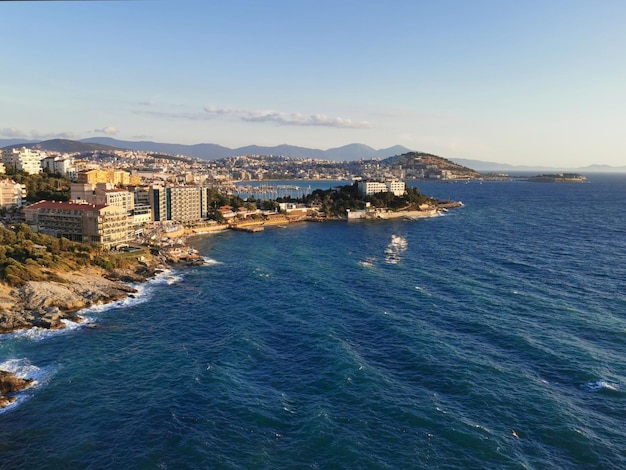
(490, 337)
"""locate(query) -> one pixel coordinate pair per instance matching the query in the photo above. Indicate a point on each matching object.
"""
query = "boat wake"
(601, 386)
(397, 246)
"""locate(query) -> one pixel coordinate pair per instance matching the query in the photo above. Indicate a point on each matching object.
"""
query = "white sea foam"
(397, 246)
(23, 369)
(40, 334)
(601, 385)
(423, 291)
(168, 278)
(142, 294)
(210, 261)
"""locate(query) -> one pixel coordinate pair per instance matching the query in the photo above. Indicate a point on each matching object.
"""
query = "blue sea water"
(491, 337)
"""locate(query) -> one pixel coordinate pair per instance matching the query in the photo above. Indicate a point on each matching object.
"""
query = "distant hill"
(15, 142)
(420, 159)
(284, 150)
(205, 151)
(348, 152)
(602, 169)
(485, 167)
(214, 152)
(63, 146)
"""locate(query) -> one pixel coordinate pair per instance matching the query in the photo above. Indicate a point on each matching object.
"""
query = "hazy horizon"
(521, 84)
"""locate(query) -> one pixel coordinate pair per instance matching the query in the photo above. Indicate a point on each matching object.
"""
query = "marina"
(273, 192)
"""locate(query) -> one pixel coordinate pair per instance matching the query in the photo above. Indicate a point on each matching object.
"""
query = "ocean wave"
(368, 262)
(168, 278)
(40, 334)
(210, 261)
(24, 369)
(143, 292)
(601, 385)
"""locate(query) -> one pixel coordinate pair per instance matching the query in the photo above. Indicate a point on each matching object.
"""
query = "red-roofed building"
(80, 222)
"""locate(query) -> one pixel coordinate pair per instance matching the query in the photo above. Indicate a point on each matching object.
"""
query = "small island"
(558, 178)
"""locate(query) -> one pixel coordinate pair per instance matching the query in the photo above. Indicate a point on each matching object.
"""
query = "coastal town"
(119, 197)
(78, 227)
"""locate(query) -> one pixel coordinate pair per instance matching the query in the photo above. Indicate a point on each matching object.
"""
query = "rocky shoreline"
(49, 304)
(46, 304)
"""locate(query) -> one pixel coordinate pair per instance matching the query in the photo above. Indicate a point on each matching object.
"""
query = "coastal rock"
(140, 273)
(10, 383)
(6, 401)
(47, 304)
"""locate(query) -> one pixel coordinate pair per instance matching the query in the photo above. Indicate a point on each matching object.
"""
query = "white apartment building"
(12, 194)
(61, 165)
(366, 188)
(398, 188)
(23, 159)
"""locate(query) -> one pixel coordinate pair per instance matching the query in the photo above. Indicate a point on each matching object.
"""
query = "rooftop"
(80, 206)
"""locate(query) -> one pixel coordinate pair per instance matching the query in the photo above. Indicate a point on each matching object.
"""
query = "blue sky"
(534, 82)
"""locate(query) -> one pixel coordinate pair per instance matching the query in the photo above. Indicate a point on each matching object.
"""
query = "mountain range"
(207, 151)
(494, 167)
(213, 152)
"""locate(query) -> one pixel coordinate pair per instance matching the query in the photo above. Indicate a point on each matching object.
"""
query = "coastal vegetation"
(336, 201)
(29, 256)
(42, 186)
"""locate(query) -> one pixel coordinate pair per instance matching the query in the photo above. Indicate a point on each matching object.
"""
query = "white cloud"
(109, 130)
(279, 118)
(148, 103)
(219, 111)
(290, 119)
(194, 116)
(13, 133)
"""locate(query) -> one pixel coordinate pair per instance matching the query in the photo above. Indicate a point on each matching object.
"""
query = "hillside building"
(23, 159)
(178, 203)
(59, 165)
(103, 194)
(12, 194)
(116, 177)
(80, 222)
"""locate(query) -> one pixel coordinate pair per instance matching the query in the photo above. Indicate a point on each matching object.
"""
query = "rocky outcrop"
(9, 384)
(46, 304)
(140, 273)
